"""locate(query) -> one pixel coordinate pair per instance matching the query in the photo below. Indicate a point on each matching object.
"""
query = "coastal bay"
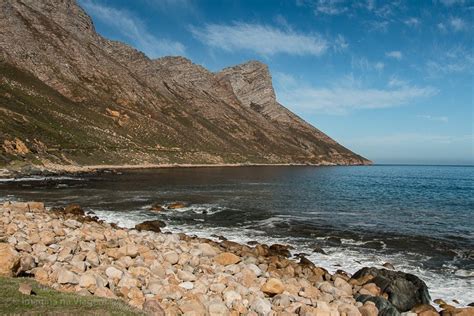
(331, 215)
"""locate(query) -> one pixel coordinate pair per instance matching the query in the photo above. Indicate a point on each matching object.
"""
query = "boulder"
(388, 265)
(104, 292)
(176, 205)
(342, 285)
(370, 289)
(230, 297)
(186, 276)
(384, 307)
(38, 206)
(404, 290)
(424, 310)
(113, 273)
(23, 246)
(186, 285)
(208, 250)
(152, 307)
(47, 237)
(9, 260)
(93, 258)
(156, 208)
(319, 249)
(74, 209)
(88, 281)
(25, 289)
(218, 309)
(280, 250)
(27, 263)
(261, 306)
(273, 286)
(171, 257)
(368, 309)
(67, 277)
(226, 258)
(192, 307)
(41, 275)
(154, 226)
(466, 311)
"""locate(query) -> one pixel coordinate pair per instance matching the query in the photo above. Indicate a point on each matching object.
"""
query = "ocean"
(418, 218)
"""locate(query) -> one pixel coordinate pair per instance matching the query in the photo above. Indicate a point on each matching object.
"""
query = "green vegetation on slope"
(50, 302)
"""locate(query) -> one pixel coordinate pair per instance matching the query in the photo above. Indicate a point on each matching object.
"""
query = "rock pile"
(175, 274)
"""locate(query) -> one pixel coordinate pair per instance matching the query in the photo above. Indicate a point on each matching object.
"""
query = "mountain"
(68, 96)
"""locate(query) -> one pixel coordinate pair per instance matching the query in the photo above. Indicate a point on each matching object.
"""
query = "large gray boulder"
(404, 290)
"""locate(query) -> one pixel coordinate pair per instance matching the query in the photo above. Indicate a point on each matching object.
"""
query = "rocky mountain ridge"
(69, 96)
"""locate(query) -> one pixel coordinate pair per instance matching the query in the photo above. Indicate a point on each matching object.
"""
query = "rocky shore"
(175, 274)
(50, 169)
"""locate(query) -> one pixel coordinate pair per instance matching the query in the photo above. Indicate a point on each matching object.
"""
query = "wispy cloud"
(133, 30)
(330, 7)
(380, 26)
(441, 26)
(457, 24)
(365, 65)
(452, 2)
(412, 22)
(172, 3)
(451, 61)
(262, 39)
(340, 43)
(443, 119)
(346, 97)
(394, 81)
(394, 54)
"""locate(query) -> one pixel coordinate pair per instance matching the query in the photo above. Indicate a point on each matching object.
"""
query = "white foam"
(456, 285)
(40, 178)
(209, 209)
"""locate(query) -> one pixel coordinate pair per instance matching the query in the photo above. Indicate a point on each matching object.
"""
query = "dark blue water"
(419, 218)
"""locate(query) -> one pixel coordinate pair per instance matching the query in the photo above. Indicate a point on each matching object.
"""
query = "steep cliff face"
(71, 96)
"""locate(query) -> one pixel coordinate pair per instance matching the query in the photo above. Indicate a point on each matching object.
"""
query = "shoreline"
(49, 169)
(302, 285)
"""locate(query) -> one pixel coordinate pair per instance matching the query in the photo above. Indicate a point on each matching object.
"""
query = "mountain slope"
(70, 96)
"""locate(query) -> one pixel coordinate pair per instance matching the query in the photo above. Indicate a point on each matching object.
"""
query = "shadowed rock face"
(404, 290)
(72, 96)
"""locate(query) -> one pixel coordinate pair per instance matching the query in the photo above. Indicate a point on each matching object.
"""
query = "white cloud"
(133, 30)
(443, 119)
(457, 24)
(341, 99)
(397, 82)
(452, 2)
(330, 7)
(441, 27)
(284, 79)
(262, 39)
(365, 65)
(379, 66)
(340, 43)
(170, 3)
(380, 26)
(451, 61)
(412, 22)
(370, 5)
(394, 54)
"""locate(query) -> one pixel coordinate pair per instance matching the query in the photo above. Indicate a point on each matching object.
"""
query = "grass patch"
(50, 302)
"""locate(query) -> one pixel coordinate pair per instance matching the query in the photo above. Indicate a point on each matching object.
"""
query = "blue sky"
(392, 81)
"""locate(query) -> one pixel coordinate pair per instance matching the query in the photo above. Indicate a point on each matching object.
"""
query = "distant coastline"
(77, 169)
